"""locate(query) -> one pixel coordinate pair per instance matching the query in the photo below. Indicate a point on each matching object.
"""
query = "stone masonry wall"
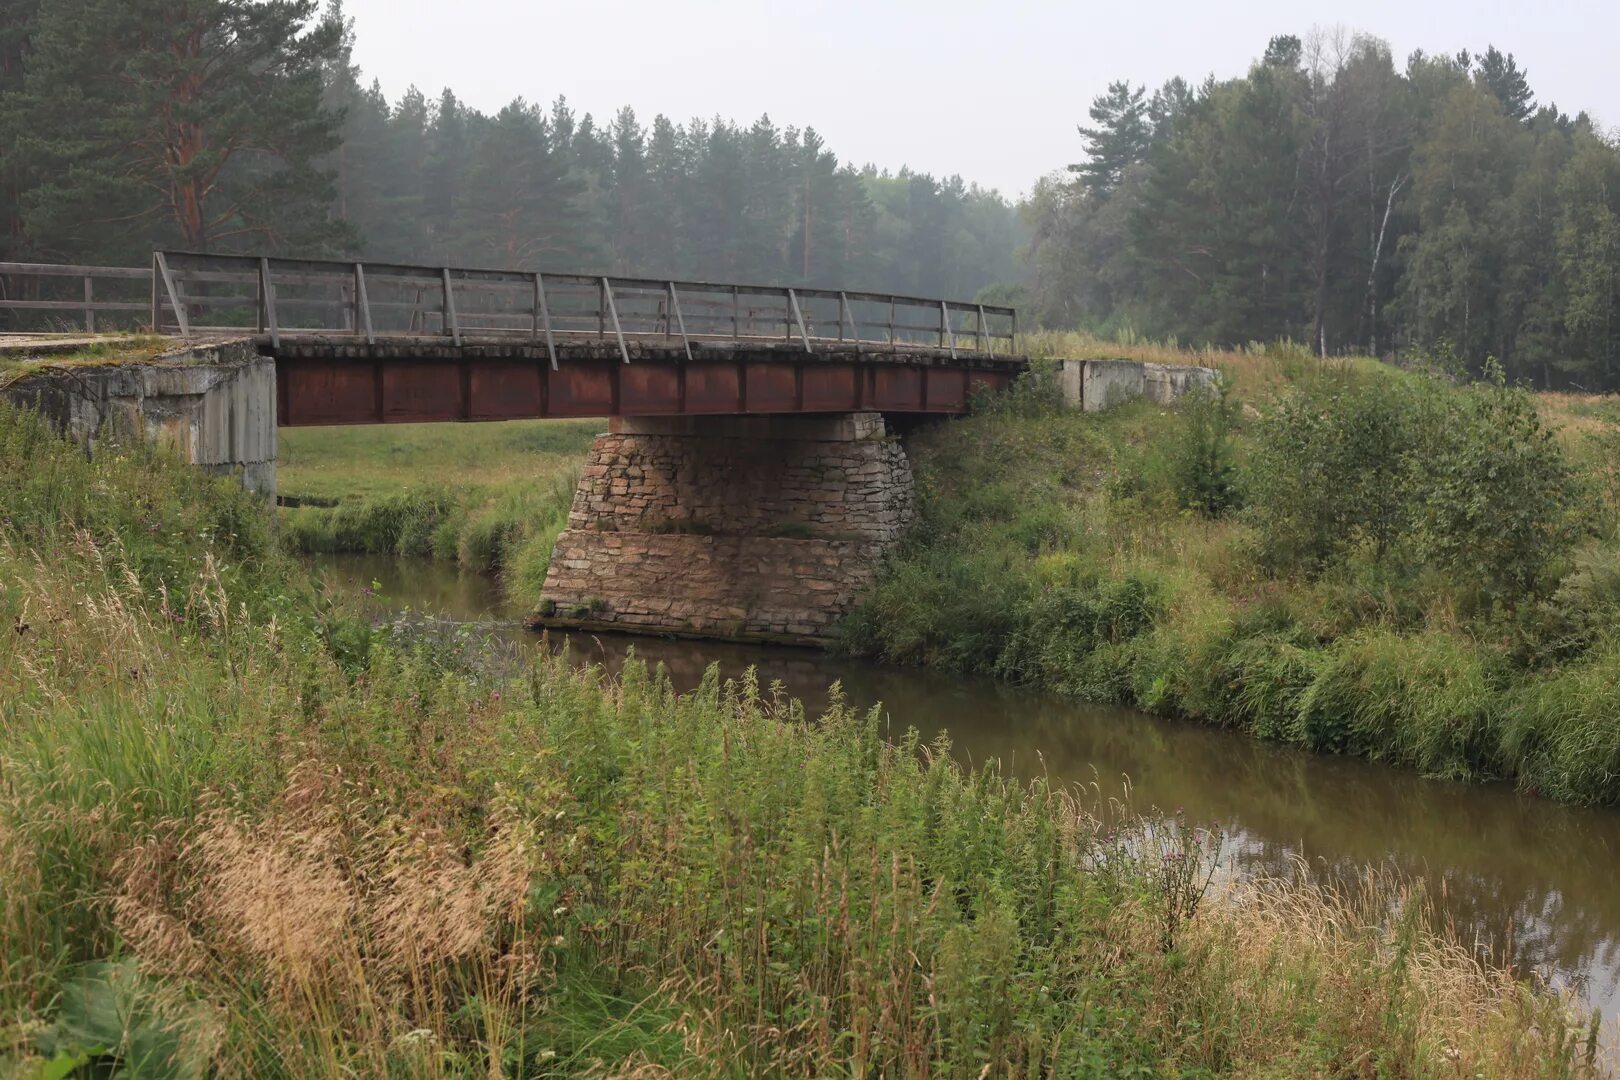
(734, 587)
(858, 489)
(750, 529)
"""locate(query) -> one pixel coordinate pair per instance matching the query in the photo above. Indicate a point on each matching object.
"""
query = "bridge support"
(749, 528)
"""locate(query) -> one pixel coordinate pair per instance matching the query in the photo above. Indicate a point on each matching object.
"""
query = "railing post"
(946, 334)
(675, 309)
(174, 295)
(89, 312)
(362, 305)
(267, 290)
(450, 309)
(986, 346)
(542, 314)
(798, 317)
(891, 323)
(736, 325)
(618, 332)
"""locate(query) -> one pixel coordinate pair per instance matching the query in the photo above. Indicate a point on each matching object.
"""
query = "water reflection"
(1506, 869)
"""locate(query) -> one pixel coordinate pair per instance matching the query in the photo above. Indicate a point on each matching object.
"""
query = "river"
(1512, 872)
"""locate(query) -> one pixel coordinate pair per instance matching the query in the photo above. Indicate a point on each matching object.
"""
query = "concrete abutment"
(215, 404)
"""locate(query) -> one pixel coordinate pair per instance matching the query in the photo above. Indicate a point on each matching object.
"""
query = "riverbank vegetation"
(490, 497)
(1357, 560)
(243, 833)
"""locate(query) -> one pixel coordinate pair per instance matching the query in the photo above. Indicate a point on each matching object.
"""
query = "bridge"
(369, 343)
(751, 480)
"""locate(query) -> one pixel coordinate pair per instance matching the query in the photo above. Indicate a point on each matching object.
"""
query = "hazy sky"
(990, 90)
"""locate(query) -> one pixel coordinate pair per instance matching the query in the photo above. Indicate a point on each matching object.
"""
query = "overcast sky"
(990, 90)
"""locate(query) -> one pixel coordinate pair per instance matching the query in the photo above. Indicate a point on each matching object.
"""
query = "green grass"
(1052, 550)
(371, 461)
(492, 497)
(244, 833)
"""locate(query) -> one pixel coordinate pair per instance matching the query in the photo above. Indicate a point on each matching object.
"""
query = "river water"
(1514, 873)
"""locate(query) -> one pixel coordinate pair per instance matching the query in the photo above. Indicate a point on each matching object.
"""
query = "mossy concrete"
(216, 404)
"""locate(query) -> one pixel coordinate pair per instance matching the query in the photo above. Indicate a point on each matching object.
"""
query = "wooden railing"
(196, 294)
(54, 291)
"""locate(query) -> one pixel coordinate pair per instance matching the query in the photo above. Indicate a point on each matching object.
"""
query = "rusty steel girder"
(321, 383)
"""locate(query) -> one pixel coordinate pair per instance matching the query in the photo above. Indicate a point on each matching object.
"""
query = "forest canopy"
(1432, 208)
(245, 125)
(1333, 197)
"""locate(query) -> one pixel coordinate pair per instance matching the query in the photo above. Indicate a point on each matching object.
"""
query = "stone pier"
(748, 528)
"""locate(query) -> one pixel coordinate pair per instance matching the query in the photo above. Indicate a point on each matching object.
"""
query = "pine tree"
(1121, 137)
(196, 122)
(18, 172)
(513, 210)
(1501, 75)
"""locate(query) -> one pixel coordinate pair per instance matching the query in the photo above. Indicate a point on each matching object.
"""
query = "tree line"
(1331, 197)
(1327, 195)
(244, 125)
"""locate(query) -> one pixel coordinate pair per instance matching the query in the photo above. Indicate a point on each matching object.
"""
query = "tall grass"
(243, 835)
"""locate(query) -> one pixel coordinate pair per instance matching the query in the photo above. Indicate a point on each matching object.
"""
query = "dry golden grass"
(367, 933)
(1364, 961)
(1257, 371)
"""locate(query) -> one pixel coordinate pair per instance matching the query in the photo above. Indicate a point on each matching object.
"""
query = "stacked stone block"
(732, 529)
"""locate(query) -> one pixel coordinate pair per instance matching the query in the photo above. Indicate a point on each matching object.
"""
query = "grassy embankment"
(242, 833)
(1358, 560)
(492, 497)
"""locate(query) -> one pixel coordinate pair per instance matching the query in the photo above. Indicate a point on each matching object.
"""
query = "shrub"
(1333, 469)
(1203, 464)
(1496, 500)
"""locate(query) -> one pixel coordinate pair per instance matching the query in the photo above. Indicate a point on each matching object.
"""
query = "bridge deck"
(380, 343)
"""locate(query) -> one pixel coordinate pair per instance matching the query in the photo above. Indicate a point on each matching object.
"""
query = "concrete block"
(216, 404)
(1107, 383)
(1071, 380)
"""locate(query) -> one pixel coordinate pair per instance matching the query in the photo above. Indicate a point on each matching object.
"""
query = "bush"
(1468, 480)
(1495, 499)
(1203, 463)
(1333, 470)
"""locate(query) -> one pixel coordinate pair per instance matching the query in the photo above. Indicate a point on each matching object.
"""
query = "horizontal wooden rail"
(193, 293)
(203, 293)
(27, 286)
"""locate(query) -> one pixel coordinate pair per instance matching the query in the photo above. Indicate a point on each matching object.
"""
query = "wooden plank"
(607, 295)
(450, 309)
(798, 317)
(267, 289)
(73, 305)
(675, 307)
(174, 296)
(362, 305)
(131, 273)
(544, 315)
